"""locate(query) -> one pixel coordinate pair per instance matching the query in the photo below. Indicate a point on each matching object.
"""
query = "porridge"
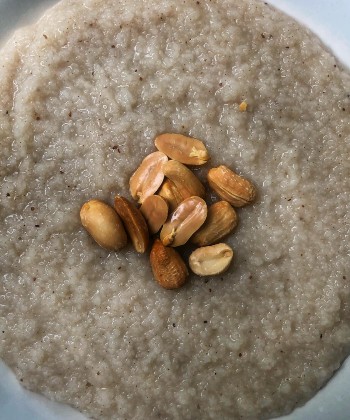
(84, 92)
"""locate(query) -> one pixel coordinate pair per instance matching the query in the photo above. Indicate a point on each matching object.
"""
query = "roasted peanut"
(211, 260)
(184, 179)
(148, 177)
(171, 194)
(155, 211)
(103, 224)
(187, 150)
(221, 221)
(168, 268)
(134, 223)
(231, 187)
(187, 218)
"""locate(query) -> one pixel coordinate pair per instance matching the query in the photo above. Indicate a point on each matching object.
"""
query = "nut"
(231, 187)
(168, 268)
(221, 221)
(184, 179)
(184, 149)
(211, 260)
(187, 218)
(171, 194)
(243, 106)
(103, 224)
(134, 223)
(155, 211)
(148, 177)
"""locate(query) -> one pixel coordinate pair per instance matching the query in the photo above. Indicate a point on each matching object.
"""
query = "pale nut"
(187, 218)
(168, 268)
(171, 194)
(187, 150)
(211, 260)
(148, 177)
(231, 187)
(155, 211)
(103, 224)
(221, 220)
(184, 179)
(134, 223)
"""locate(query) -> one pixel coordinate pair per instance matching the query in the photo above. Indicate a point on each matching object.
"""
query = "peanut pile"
(171, 201)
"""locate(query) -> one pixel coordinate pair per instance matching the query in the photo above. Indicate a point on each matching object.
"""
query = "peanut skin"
(167, 265)
(134, 222)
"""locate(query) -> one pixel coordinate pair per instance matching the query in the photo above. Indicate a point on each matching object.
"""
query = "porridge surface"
(84, 92)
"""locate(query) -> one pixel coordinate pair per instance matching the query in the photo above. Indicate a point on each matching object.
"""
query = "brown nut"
(187, 218)
(221, 221)
(148, 177)
(155, 211)
(171, 194)
(184, 179)
(211, 260)
(103, 224)
(134, 223)
(231, 187)
(168, 268)
(187, 150)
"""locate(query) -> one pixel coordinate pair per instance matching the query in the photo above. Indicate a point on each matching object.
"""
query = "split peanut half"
(134, 223)
(187, 150)
(187, 218)
(155, 211)
(148, 177)
(211, 260)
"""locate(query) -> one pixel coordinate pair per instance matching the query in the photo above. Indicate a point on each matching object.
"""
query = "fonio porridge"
(84, 92)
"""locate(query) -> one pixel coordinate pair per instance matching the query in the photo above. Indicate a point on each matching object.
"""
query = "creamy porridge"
(83, 95)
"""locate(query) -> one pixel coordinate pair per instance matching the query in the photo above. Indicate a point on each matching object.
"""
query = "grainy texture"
(83, 95)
